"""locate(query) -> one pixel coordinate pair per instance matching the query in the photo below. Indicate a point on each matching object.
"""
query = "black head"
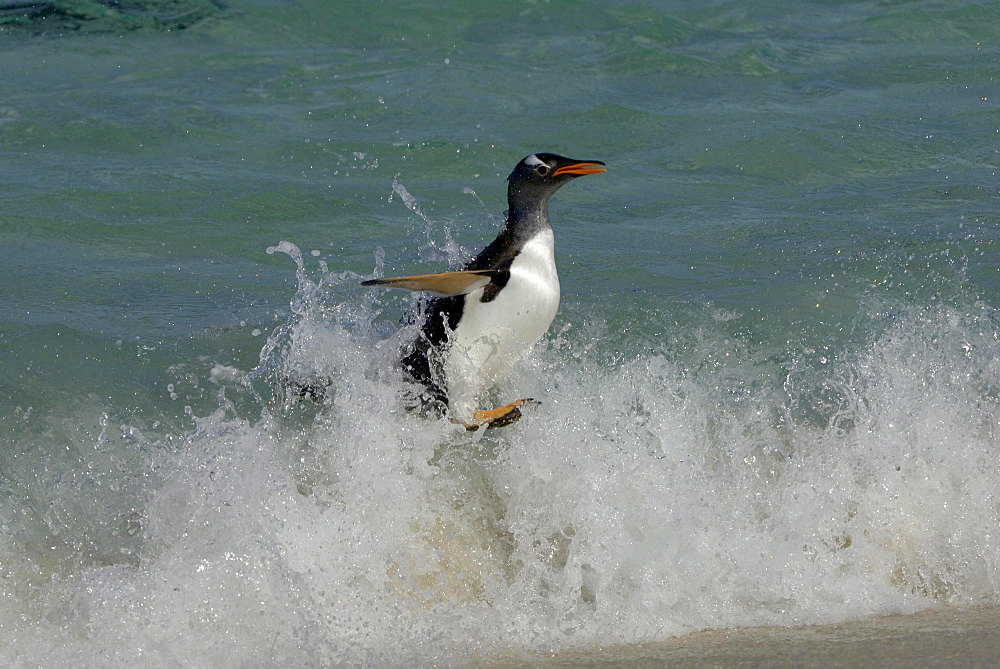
(540, 175)
(548, 170)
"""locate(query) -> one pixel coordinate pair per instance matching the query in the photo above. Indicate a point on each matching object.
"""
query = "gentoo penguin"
(488, 315)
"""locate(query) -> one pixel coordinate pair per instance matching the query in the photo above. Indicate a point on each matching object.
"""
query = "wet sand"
(938, 638)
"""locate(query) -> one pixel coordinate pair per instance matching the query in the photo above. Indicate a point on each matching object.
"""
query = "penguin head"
(537, 176)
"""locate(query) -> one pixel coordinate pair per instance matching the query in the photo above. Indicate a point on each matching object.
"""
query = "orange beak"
(581, 169)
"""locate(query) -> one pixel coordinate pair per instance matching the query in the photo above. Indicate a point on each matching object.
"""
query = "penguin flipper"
(444, 283)
(499, 417)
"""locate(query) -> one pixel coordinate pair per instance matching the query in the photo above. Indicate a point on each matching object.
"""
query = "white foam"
(645, 498)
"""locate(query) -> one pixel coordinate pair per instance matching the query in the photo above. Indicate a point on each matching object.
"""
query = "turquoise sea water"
(770, 396)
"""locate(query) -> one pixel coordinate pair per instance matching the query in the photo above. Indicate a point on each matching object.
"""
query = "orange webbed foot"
(499, 417)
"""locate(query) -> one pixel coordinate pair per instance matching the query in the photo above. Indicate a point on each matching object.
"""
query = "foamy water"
(646, 497)
(769, 396)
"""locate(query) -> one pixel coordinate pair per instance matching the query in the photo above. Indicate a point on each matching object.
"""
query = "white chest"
(493, 335)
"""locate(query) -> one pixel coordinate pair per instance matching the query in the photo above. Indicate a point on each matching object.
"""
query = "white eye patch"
(533, 161)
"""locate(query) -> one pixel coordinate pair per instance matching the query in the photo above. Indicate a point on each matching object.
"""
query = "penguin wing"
(445, 283)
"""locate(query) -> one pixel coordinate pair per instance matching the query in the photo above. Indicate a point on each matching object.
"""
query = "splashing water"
(646, 497)
(431, 250)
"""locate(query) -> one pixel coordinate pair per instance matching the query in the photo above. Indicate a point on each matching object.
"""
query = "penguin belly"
(492, 336)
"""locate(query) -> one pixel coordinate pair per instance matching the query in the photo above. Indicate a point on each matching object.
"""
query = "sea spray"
(652, 493)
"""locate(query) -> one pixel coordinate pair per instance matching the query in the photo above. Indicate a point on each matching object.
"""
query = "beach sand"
(936, 638)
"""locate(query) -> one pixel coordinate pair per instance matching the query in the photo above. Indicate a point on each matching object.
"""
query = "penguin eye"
(542, 170)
